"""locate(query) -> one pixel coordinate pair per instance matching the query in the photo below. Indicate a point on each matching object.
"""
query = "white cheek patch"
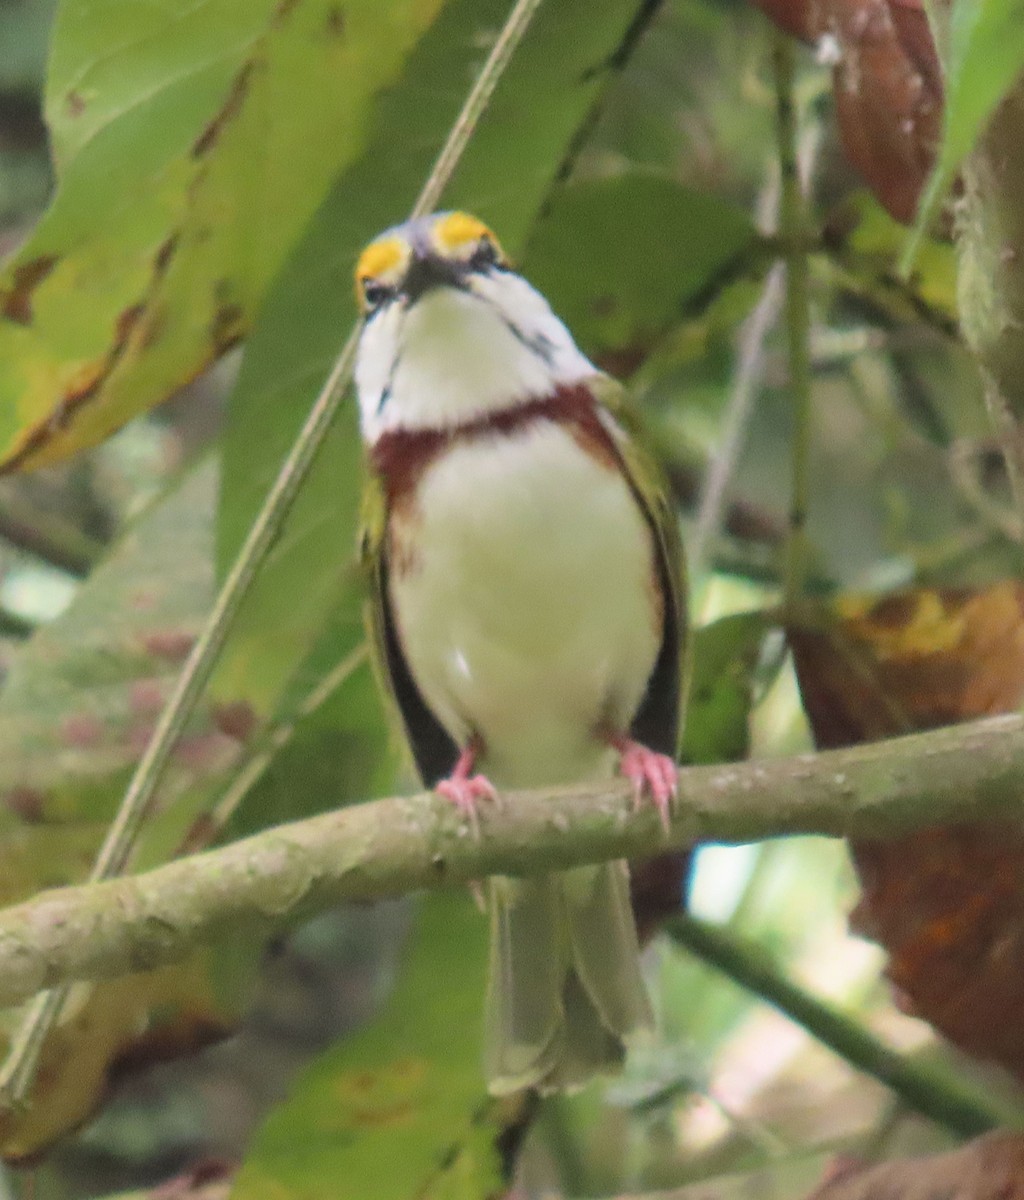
(375, 361)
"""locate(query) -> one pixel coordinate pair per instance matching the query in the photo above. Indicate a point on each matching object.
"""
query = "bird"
(526, 611)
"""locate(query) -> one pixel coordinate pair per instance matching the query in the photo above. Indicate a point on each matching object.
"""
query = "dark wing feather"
(433, 751)
(658, 721)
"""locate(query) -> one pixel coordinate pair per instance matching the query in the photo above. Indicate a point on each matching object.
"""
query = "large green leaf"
(550, 87)
(984, 55)
(400, 1110)
(619, 258)
(193, 141)
(726, 654)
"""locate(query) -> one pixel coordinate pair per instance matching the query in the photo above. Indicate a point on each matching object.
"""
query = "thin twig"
(937, 1094)
(276, 738)
(19, 1068)
(45, 535)
(750, 359)
(749, 362)
(475, 105)
(749, 369)
(792, 226)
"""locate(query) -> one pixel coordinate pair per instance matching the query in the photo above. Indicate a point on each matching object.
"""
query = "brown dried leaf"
(948, 903)
(888, 96)
(911, 660)
(887, 84)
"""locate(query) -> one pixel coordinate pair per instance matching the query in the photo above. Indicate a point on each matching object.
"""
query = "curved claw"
(651, 774)
(466, 791)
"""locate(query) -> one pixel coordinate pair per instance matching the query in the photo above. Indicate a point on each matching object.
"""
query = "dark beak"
(427, 272)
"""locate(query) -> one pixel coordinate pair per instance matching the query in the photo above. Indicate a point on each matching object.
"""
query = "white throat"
(456, 355)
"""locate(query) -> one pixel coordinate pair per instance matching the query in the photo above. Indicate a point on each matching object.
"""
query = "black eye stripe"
(485, 255)
(376, 293)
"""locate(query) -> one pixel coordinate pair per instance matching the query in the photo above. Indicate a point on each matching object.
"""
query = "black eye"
(485, 255)
(376, 293)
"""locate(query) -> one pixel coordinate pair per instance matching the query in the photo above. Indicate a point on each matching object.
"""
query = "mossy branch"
(386, 847)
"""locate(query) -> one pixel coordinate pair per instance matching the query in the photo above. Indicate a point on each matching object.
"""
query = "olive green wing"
(433, 750)
(658, 721)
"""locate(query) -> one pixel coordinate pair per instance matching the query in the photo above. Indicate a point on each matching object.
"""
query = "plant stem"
(937, 1094)
(750, 360)
(792, 229)
(742, 393)
(278, 736)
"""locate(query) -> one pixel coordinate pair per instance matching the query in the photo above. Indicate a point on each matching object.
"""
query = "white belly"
(522, 585)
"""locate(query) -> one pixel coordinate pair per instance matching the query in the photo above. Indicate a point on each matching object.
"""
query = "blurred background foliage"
(175, 289)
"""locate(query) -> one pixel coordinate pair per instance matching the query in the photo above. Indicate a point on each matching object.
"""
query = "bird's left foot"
(651, 774)
(465, 790)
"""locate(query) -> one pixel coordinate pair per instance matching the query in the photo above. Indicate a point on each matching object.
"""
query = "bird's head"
(451, 331)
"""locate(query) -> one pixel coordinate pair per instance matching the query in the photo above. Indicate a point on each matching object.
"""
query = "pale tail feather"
(565, 991)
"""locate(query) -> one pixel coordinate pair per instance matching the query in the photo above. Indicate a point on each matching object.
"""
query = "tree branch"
(962, 773)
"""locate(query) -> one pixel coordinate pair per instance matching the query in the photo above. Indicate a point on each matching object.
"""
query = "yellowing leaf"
(194, 142)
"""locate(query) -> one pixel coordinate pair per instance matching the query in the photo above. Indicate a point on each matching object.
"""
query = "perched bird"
(527, 609)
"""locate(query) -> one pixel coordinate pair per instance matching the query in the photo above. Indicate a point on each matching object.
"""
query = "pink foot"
(649, 772)
(465, 790)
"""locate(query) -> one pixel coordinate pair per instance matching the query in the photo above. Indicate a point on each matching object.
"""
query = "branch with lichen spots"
(387, 847)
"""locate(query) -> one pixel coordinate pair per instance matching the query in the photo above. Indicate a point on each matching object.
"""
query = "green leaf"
(117, 70)
(868, 252)
(726, 655)
(23, 33)
(550, 87)
(85, 689)
(77, 706)
(399, 1110)
(619, 258)
(984, 56)
(81, 695)
(336, 752)
(193, 142)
